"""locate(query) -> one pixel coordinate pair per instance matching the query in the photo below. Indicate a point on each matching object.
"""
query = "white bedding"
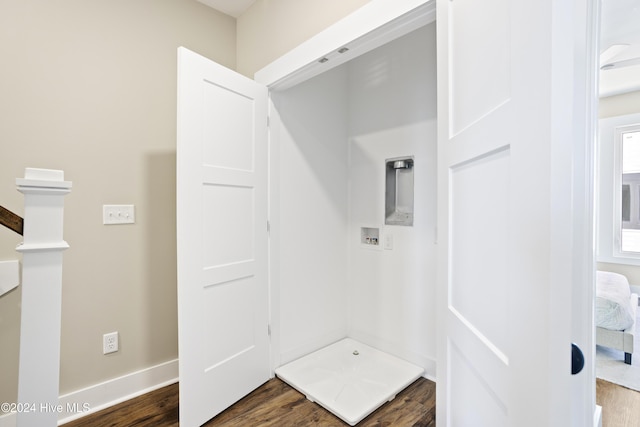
(613, 309)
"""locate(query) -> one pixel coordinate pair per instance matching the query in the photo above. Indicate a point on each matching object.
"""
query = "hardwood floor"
(273, 404)
(277, 404)
(620, 406)
(157, 408)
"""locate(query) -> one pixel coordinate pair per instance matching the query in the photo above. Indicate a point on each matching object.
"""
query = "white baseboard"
(94, 398)
(8, 420)
(9, 275)
(597, 417)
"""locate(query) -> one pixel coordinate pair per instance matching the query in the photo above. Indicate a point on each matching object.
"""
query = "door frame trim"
(374, 24)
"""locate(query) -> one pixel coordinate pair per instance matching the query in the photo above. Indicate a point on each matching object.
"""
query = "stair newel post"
(39, 371)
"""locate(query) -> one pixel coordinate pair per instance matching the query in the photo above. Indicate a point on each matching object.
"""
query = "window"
(618, 216)
(630, 189)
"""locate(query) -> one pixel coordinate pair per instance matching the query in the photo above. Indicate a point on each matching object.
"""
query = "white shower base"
(349, 379)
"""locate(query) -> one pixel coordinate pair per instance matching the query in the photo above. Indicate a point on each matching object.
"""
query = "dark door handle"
(577, 359)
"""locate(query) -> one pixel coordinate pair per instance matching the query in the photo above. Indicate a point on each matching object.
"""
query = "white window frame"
(609, 197)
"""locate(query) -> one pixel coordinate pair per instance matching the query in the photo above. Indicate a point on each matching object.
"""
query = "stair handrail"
(11, 220)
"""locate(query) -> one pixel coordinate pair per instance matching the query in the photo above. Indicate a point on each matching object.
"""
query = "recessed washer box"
(369, 236)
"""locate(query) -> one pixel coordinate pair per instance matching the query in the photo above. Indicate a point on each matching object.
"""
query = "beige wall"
(619, 105)
(271, 28)
(631, 272)
(89, 87)
(628, 103)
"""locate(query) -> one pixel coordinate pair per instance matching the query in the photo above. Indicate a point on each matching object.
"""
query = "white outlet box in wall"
(388, 241)
(110, 342)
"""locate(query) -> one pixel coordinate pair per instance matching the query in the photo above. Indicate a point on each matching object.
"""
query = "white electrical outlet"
(110, 343)
(388, 241)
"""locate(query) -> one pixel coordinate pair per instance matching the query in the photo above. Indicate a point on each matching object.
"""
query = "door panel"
(222, 240)
(228, 231)
(478, 303)
(480, 195)
(473, 397)
(502, 173)
(480, 61)
(477, 160)
(238, 151)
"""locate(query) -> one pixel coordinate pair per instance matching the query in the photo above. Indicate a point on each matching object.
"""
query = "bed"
(615, 315)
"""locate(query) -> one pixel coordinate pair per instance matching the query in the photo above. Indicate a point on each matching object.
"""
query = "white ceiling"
(619, 41)
(234, 8)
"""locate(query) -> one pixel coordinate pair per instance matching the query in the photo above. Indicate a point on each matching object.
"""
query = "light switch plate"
(118, 214)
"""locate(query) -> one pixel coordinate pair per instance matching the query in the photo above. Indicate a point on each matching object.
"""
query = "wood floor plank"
(275, 404)
(620, 405)
(157, 408)
(415, 406)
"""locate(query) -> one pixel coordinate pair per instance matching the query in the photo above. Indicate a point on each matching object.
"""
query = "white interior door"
(505, 105)
(222, 237)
